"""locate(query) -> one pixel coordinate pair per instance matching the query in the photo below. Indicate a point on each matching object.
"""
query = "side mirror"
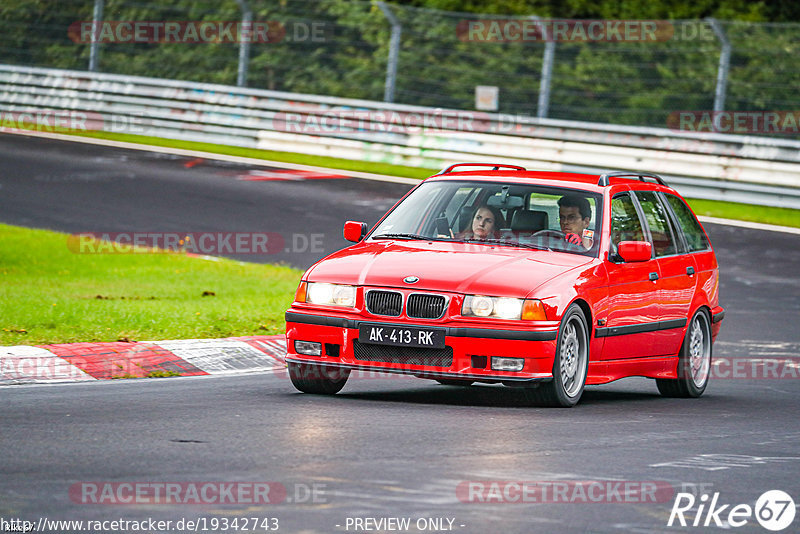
(355, 231)
(634, 251)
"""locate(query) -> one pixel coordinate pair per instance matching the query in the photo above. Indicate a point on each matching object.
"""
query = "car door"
(698, 249)
(633, 314)
(677, 281)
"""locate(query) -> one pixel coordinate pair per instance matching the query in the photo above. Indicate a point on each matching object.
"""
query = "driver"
(575, 215)
(486, 223)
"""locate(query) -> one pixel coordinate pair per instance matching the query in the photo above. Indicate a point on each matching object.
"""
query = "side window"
(658, 221)
(625, 223)
(695, 237)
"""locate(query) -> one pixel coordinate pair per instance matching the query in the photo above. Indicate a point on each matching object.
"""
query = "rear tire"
(570, 365)
(694, 363)
(317, 379)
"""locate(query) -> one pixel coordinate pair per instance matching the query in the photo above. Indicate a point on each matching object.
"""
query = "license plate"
(402, 336)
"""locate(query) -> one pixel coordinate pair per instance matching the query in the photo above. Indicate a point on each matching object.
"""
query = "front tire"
(317, 379)
(694, 364)
(571, 363)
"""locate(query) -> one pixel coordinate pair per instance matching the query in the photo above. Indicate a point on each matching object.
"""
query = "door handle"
(690, 271)
(653, 277)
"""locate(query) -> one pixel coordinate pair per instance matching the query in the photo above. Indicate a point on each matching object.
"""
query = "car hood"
(445, 266)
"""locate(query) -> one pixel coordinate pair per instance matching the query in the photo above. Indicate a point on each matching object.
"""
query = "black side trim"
(718, 317)
(321, 320)
(547, 335)
(640, 328)
(675, 323)
(421, 374)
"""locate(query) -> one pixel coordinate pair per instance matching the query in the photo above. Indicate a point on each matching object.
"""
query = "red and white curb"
(80, 362)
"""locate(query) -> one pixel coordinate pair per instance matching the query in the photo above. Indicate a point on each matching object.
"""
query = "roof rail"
(604, 178)
(495, 166)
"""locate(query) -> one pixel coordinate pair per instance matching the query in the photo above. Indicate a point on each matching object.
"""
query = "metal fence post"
(543, 105)
(724, 65)
(547, 78)
(94, 49)
(394, 50)
(244, 44)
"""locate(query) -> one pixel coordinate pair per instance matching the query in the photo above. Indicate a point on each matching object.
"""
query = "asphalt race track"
(387, 447)
(73, 187)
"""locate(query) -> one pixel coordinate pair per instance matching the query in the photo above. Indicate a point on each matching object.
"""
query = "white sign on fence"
(487, 97)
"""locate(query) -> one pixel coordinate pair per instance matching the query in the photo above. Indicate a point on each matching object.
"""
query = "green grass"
(746, 212)
(49, 294)
(712, 208)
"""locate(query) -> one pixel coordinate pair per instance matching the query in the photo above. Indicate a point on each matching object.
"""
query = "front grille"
(385, 303)
(425, 306)
(406, 355)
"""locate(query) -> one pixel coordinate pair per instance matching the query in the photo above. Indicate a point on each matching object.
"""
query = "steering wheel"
(558, 234)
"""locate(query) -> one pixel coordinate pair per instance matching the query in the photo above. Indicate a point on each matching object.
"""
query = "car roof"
(616, 180)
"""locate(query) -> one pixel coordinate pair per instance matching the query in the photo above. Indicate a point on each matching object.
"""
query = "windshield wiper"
(510, 243)
(403, 236)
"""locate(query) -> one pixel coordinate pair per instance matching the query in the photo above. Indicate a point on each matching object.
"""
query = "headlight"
(331, 294)
(502, 308)
(478, 305)
(506, 308)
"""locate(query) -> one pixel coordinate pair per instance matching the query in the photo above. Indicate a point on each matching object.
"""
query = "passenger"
(575, 215)
(486, 224)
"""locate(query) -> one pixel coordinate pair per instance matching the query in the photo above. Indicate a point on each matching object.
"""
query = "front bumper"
(472, 349)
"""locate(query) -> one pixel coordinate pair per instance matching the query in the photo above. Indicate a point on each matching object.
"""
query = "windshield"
(497, 213)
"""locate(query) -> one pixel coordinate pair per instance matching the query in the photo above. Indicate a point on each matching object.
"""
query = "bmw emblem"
(411, 279)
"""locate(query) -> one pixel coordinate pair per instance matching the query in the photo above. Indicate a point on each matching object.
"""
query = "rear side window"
(625, 223)
(658, 222)
(695, 237)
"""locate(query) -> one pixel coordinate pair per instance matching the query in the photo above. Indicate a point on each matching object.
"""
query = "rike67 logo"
(774, 510)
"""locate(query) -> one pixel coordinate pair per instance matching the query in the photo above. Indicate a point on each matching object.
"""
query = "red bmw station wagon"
(491, 273)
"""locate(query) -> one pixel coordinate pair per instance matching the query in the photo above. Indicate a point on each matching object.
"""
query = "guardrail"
(756, 170)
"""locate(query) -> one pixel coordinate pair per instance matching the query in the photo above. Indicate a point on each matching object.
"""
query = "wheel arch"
(702, 306)
(587, 312)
